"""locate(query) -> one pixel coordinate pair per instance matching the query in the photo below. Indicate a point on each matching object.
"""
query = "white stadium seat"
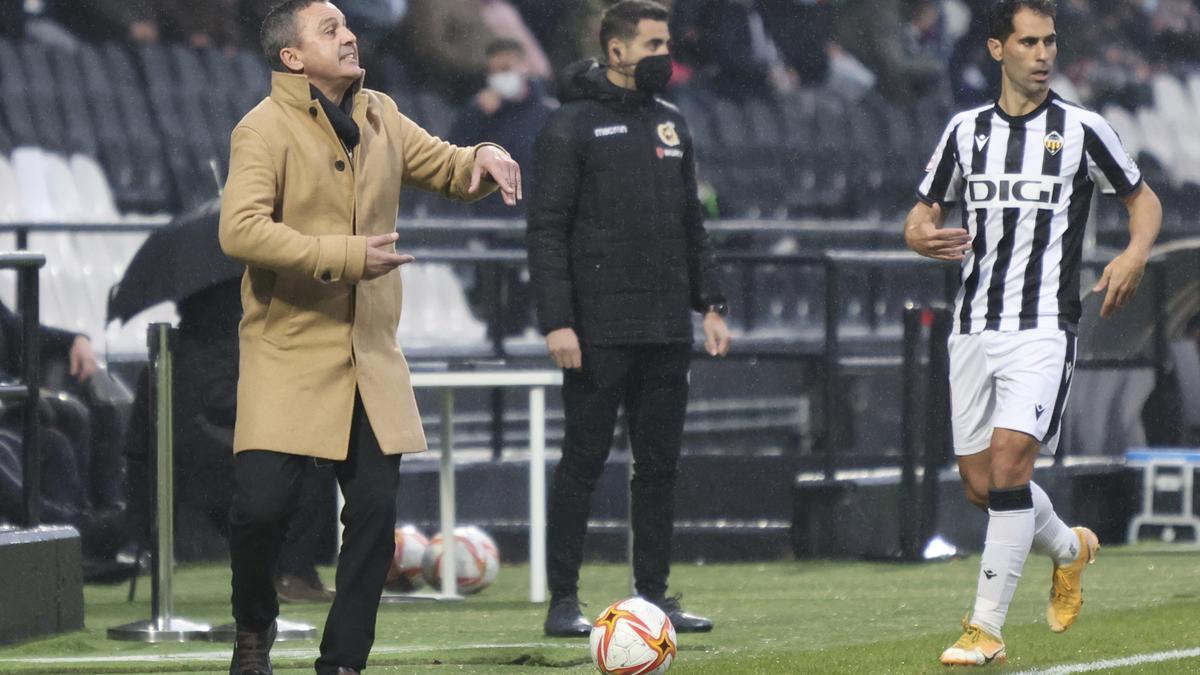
(94, 190)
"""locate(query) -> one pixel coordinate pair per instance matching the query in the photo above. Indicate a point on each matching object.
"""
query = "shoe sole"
(693, 630)
(1093, 546)
(1000, 658)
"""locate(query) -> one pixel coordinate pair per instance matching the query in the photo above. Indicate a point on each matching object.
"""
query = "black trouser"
(652, 382)
(266, 490)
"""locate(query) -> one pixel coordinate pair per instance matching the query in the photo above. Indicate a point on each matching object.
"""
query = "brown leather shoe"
(252, 652)
(296, 588)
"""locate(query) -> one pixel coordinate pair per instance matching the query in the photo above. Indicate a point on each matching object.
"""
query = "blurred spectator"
(1175, 27)
(868, 30)
(505, 22)
(802, 30)
(728, 44)
(82, 470)
(510, 110)
(445, 44)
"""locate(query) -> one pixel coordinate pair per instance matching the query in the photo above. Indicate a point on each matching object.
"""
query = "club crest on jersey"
(1053, 142)
(667, 134)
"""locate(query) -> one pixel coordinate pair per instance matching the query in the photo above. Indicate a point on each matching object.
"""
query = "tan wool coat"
(297, 210)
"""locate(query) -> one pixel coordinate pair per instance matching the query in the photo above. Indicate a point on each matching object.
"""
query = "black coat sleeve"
(703, 273)
(557, 165)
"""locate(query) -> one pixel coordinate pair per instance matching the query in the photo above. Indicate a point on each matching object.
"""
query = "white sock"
(1009, 537)
(1051, 536)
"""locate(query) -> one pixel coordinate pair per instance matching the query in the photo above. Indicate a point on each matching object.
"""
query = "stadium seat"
(1172, 99)
(13, 99)
(799, 116)
(767, 136)
(65, 202)
(36, 206)
(77, 119)
(39, 91)
(1123, 122)
(10, 196)
(94, 190)
(435, 311)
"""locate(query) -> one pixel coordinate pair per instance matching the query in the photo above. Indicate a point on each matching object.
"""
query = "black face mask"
(653, 73)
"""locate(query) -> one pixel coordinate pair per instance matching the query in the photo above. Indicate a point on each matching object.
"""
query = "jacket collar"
(292, 89)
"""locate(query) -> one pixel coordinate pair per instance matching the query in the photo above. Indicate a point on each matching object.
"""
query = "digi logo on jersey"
(1014, 191)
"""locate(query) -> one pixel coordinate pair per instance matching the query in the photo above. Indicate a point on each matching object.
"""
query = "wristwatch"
(720, 308)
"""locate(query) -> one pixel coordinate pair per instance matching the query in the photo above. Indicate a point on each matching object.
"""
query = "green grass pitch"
(772, 618)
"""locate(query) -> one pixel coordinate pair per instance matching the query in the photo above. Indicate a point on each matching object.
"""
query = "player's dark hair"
(621, 20)
(1000, 16)
(505, 46)
(279, 30)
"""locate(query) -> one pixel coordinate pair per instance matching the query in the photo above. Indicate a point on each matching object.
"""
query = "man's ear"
(996, 49)
(291, 58)
(614, 49)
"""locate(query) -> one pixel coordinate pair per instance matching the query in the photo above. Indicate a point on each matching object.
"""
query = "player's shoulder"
(1080, 112)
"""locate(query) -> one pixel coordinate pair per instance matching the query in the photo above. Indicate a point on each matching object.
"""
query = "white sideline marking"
(1137, 660)
(224, 654)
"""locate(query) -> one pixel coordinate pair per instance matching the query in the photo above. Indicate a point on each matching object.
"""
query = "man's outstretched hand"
(501, 169)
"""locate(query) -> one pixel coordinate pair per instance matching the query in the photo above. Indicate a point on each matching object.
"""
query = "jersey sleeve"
(943, 175)
(1110, 166)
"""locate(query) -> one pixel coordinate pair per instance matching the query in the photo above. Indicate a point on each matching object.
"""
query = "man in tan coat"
(310, 206)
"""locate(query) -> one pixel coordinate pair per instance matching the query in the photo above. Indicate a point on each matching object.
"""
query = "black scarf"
(339, 117)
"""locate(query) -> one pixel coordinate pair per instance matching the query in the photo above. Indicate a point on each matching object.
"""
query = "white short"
(1015, 380)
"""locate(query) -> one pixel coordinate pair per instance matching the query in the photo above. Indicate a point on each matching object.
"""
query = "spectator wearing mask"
(510, 110)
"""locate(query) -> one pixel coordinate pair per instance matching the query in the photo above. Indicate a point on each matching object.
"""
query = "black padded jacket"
(616, 239)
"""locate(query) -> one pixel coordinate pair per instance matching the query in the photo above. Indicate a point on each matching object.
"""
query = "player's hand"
(563, 346)
(1121, 277)
(716, 335)
(923, 235)
(82, 359)
(501, 169)
(381, 257)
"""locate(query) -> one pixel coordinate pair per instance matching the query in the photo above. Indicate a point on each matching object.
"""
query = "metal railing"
(26, 390)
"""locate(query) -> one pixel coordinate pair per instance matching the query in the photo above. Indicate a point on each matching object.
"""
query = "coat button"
(339, 165)
(326, 276)
(312, 110)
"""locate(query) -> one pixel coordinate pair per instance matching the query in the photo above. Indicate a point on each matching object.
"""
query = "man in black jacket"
(618, 256)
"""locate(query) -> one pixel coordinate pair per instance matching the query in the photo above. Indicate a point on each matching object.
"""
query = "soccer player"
(1024, 169)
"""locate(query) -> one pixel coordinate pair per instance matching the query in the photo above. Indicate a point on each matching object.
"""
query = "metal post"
(909, 437)
(832, 393)
(939, 444)
(449, 564)
(537, 494)
(31, 475)
(163, 625)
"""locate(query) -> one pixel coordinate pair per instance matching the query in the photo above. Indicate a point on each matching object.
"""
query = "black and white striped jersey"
(1026, 185)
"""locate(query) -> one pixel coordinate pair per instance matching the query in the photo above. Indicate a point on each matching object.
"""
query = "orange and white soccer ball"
(633, 637)
(477, 560)
(405, 573)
